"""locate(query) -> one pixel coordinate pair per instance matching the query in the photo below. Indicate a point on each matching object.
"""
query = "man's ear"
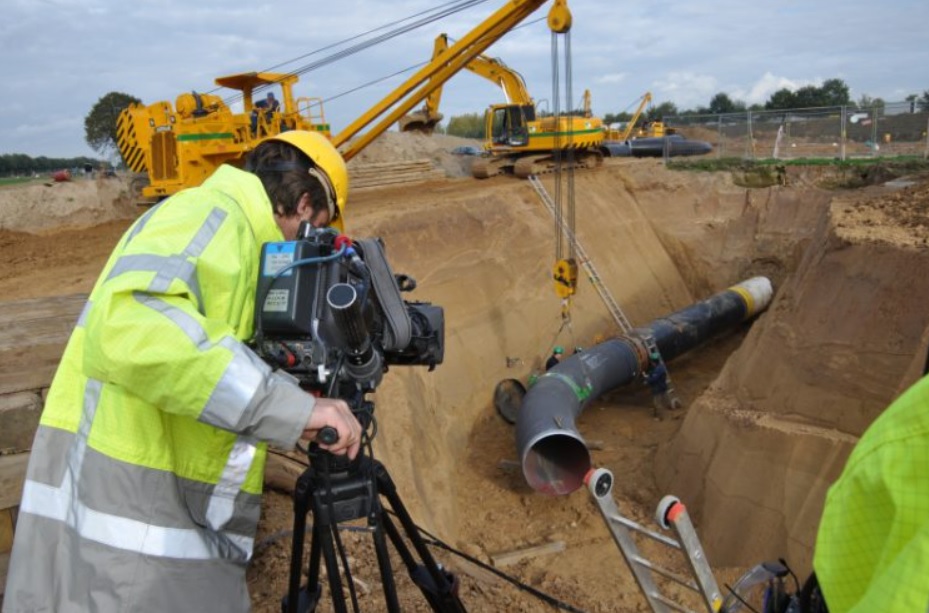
(304, 205)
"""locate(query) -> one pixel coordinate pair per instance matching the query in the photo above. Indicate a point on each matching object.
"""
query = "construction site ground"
(771, 410)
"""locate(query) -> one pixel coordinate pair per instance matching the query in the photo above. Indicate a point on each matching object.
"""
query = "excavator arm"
(493, 69)
(417, 88)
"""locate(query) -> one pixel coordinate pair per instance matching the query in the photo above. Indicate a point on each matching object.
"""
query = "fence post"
(926, 154)
(719, 137)
(751, 138)
(843, 117)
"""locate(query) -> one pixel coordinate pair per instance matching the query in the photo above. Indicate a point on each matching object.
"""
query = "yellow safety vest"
(872, 549)
(143, 488)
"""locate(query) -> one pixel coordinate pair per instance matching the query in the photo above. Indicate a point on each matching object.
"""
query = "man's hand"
(335, 413)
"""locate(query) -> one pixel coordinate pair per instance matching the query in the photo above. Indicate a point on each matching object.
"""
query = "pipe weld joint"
(582, 393)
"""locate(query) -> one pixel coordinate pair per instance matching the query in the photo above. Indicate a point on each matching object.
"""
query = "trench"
(772, 407)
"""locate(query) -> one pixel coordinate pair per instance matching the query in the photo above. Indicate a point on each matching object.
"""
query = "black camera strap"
(398, 330)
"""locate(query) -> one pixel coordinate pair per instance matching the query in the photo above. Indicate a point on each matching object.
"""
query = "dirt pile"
(79, 203)
(412, 146)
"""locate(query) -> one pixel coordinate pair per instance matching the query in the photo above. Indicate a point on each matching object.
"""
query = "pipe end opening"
(556, 464)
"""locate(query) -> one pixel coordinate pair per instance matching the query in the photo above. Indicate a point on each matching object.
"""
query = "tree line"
(832, 92)
(20, 164)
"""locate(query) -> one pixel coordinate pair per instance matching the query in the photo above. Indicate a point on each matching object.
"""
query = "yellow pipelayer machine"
(180, 145)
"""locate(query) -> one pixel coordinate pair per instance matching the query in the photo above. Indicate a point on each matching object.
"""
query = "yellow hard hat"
(327, 158)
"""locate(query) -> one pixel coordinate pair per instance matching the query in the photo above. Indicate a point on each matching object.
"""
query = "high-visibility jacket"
(872, 549)
(143, 488)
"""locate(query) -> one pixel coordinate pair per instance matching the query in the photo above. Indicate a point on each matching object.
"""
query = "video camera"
(329, 312)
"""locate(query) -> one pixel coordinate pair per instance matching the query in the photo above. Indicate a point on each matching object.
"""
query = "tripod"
(336, 490)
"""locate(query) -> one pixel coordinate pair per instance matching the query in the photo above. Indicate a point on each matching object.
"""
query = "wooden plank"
(6, 530)
(19, 418)
(12, 475)
(41, 308)
(508, 558)
(37, 322)
(29, 368)
(476, 572)
(4, 569)
(33, 334)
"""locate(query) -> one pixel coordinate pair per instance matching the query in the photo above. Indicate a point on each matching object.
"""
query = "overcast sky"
(60, 56)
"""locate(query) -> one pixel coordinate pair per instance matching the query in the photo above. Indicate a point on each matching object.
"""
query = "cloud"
(616, 77)
(685, 89)
(762, 89)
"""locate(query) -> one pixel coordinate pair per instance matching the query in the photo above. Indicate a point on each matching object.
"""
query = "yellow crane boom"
(626, 132)
(178, 146)
(433, 75)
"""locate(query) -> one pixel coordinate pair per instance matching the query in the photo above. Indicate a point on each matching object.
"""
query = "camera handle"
(336, 490)
(328, 435)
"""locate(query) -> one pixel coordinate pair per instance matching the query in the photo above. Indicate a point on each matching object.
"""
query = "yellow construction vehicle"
(612, 134)
(181, 145)
(517, 140)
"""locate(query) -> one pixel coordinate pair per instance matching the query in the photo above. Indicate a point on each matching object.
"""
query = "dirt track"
(771, 410)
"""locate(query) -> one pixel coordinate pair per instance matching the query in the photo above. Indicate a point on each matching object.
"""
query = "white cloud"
(616, 77)
(762, 89)
(63, 55)
(685, 89)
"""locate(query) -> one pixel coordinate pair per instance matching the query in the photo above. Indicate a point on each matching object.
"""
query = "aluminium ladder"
(671, 514)
(586, 262)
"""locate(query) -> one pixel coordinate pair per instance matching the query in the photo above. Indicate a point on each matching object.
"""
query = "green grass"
(900, 164)
(839, 174)
(14, 180)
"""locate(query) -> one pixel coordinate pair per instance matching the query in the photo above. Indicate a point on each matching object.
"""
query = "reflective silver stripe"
(222, 503)
(123, 533)
(166, 269)
(141, 223)
(181, 319)
(177, 266)
(206, 233)
(79, 446)
(230, 399)
(238, 385)
(63, 504)
(82, 318)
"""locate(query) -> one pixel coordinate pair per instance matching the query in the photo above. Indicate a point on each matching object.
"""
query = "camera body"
(329, 312)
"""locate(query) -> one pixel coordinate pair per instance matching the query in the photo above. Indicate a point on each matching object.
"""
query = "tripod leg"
(383, 563)
(324, 536)
(437, 585)
(298, 600)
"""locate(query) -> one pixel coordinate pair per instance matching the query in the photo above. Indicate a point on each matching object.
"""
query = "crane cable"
(565, 269)
(440, 12)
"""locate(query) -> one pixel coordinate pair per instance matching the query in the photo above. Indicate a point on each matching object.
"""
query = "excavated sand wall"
(502, 314)
(757, 452)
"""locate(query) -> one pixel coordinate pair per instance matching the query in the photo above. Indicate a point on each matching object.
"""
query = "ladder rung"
(619, 519)
(668, 574)
(670, 603)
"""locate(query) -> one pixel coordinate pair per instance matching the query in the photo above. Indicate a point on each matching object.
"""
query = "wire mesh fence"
(840, 132)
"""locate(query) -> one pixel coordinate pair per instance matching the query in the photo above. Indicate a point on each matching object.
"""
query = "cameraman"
(144, 483)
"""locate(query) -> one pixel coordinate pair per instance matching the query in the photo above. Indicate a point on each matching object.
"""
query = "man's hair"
(284, 171)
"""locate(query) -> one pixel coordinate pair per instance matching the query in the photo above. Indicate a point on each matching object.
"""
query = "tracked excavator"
(518, 140)
(178, 146)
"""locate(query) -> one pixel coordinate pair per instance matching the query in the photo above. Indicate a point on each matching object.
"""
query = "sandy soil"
(661, 240)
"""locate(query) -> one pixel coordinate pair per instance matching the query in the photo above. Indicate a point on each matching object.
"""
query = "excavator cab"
(507, 125)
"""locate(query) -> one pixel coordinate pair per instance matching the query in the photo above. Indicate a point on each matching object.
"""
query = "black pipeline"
(554, 456)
